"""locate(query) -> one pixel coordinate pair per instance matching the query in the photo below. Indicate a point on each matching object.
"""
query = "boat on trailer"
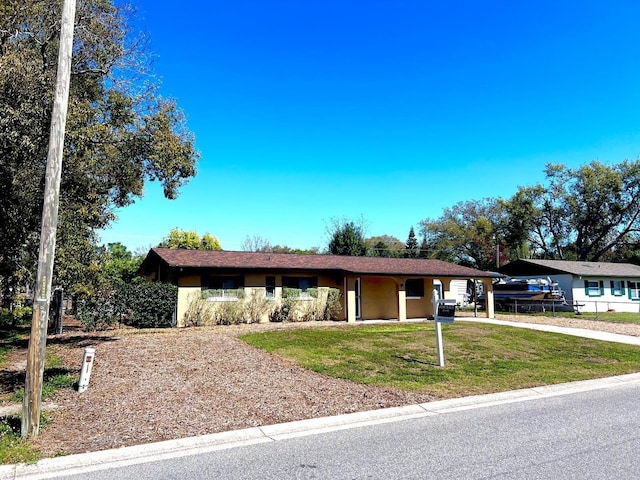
(526, 294)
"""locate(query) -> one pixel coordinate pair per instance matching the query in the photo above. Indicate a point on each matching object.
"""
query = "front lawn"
(479, 358)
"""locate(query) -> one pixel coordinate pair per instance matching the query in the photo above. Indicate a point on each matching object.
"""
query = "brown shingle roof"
(182, 258)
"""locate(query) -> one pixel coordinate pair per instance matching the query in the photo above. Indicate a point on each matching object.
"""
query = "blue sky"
(386, 110)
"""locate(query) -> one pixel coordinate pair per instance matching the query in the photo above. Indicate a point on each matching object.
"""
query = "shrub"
(333, 307)
(291, 292)
(199, 312)
(320, 304)
(220, 293)
(19, 316)
(255, 307)
(140, 305)
(96, 313)
(284, 311)
(228, 313)
(148, 304)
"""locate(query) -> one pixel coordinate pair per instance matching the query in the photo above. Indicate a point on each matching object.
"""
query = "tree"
(209, 242)
(301, 251)
(411, 247)
(588, 213)
(347, 238)
(518, 223)
(119, 264)
(424, 248)
(384, 246)
(467, 233)
(119, 133)
(256, 243)
(190, 240)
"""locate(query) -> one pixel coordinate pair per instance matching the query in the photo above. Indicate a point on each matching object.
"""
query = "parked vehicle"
(526, 293)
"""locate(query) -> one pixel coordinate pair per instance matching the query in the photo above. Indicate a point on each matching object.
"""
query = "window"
(303, 283)
(270, 287)
(634, 290)
(414, 287)
(593, 288)
(617, 288)
(298, 287)
(223, 287)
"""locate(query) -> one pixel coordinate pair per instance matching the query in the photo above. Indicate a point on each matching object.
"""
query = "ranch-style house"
(370, 287)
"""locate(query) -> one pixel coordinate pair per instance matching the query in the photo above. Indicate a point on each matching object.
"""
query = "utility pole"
(42, 294)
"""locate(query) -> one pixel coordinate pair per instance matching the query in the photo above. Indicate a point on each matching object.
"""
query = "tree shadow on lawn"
(12, 380)
(12, 374)
(80, 340)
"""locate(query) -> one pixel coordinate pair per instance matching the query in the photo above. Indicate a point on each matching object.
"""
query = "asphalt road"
(586, 435)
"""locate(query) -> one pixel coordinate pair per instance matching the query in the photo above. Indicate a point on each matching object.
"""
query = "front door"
(358, 299)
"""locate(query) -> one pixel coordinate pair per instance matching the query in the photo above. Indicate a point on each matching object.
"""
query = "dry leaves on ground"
(148, 387)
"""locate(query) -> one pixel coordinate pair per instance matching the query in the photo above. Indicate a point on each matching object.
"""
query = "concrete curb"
(89, 462)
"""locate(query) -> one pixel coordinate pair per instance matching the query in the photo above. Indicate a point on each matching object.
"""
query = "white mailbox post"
(445, 311)
(87, 364)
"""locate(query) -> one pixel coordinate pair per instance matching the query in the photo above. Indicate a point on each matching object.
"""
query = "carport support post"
(402, 301)
(488, 298)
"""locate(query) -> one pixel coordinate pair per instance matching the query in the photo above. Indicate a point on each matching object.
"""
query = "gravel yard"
(167, 384)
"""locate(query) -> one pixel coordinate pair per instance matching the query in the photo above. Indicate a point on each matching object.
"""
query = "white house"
(593, 286)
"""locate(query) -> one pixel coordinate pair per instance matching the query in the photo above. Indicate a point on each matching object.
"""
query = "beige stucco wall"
(188, 286)
(379, 298)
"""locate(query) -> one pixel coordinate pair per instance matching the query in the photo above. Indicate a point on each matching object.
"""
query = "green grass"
(478, 358)
(54, 378)
(13, 449)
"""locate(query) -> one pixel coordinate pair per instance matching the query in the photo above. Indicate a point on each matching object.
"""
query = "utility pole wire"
(38, 339)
